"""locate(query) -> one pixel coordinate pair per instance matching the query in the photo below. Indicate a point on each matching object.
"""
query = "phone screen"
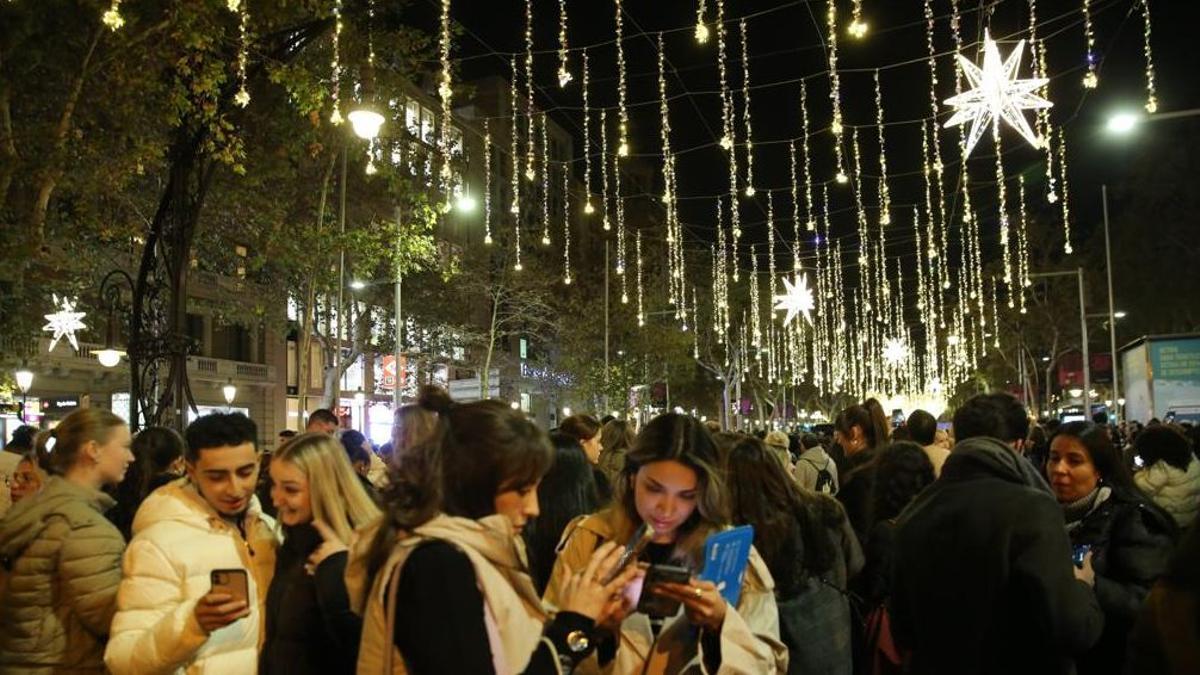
(1079, 553)
(657, 606)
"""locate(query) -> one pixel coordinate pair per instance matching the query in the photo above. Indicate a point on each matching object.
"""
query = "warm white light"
(842, 178)
(1123, 123)
(589, 209)
(1075, 393)
(110, 357)
(701, 33)
(358, 285)
(797, 299)
(514, 405)
(564, 77)
(566, 411)
(1120, 401)
(366, 122)
(1118, 315)
(858, 29)
(895, 351)
(465, 204)
(623, 149)
(24, 380)
(230, 393)
(64, 322)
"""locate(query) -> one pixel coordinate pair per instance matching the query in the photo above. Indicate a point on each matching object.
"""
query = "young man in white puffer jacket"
(167, 619)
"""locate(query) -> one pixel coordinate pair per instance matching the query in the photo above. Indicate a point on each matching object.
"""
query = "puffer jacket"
(749, 640)
(1177, 492)
(178, 540)
(64, 561)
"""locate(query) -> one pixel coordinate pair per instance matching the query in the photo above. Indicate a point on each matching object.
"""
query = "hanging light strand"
(1090, 79)
(623, 137)
(1002, 192)
(1151, 92)
(445, 90)
(564, 74)
(515, 208)
(936, 146)
(112, 18)
(810, 223)
(487, 181)
(835, 93)
(1042, 117)
(795, 207)
(335, 80)
(674, 290)
(530, 174)
(756, 336)
(885, 194)
(1022, 248)
(619, 203)
(545, 181)
(637, 246)
(605, 225)
(701, 29)
(727, 133)
(746, 110)
(242, 97)
(1066, 195)
(858, 27)
(587, 142)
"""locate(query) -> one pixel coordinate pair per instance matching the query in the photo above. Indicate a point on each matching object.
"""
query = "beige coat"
(513, 613)
(64, 561)
(750, 643)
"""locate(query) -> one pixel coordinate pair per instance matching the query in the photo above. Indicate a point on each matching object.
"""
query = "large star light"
(797, 300)
(895, 351)
(64, 322)
(996, 94)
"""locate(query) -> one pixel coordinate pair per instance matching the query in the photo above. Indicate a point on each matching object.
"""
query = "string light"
(675, 288)
(112, 18)
(1003, 207)
(727, 139)
(701, 29)
(858, 27)
(620, 205)
(771, 243)
(1066, 196)
(795, 207)
(885, 195)
(1091, 79)
(835, 94)
(242, 97)
(445, 90)
(637, 244)
(1151, 92)
(860, 211)
(335, 83)
(545, 184)
(604, 169)
(935, 149)
(530, 174)
(564, 75)
(1042, 120)
(1023, 248)
(746, 111)
(623, 136)
(587, 143)
(811, 223)
(487, 185)
(566, 197)
(755, 326)
(515, 208)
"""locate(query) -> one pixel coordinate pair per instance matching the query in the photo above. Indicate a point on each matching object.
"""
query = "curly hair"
(902, 471)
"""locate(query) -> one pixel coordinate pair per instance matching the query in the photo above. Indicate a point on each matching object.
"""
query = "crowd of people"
(476, 542)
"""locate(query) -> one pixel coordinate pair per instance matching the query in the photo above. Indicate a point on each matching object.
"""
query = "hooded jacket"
(982, 579)
(1177, 492)
(808, 468)
(749, 639)
(64, 561)
(178, 540)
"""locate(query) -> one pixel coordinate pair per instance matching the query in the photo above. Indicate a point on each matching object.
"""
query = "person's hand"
(1086, 574)
(330, 546)
(584, 593)
(624, 603)
(217, 610)
(703, 603)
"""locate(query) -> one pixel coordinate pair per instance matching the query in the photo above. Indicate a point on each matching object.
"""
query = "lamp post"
(1087, 378)
(229, 391)
(24, 378)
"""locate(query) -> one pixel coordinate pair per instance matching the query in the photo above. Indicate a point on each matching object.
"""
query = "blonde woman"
(671, 483)
(320, 501)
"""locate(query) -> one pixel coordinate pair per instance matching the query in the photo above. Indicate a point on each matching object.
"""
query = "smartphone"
(1079, 553)
(633, 548)
(657, 606)
(233, 582)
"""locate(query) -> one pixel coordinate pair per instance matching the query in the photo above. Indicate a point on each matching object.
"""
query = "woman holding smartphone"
(319, 501)
(671, 483)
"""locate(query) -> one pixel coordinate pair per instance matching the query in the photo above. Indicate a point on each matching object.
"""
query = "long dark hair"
(567, 490)
(902, 471)
(477, 451)
(154, 450)
(794, 531)
(879, 422)
(858, 416)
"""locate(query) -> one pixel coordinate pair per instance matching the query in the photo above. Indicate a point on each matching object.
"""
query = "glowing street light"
(229, 391)
(366, 121)
(1123, 122)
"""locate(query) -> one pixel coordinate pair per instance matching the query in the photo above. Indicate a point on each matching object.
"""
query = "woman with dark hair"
(1171, 473)
(1122, 535)
(672, 483)
(158, 459)
(857, 432)
(566, 492)
(807, 544)
(440, 580)
(586, 430)
(879, 420)
(616, 438)
(902, 471)
(1166, 638)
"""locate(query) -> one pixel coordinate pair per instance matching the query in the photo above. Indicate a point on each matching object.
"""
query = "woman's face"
(591, 448)
(113, 456)
(665, 495)
(518, 505)
(26, 481)
(1070, 469)
(289, 493)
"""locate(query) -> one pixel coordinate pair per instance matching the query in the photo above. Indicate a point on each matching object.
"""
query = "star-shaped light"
(798, 299)
(996, 94)
(64, 322)
(895, 351)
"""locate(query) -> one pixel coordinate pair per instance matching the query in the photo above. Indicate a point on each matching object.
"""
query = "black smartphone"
(633, 548)
(658, 606)
(1079, 553)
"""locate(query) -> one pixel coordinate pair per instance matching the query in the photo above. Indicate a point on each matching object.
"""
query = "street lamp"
(229, 391)
(24, 378)
(465, 203)
(1123, 122)
(366, 121)
(358, 285)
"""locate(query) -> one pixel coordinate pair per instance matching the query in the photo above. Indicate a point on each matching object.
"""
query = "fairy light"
(242, 97)
(755, 326)
(623, 136)
(530, 174)
(727, 139)
(858, 27)
(1042, 118)
(545, 183)
(1151, 92)
(1091, 79)
(835, 93)
(445, 90)
(620, 206)
(335, 83)
(668, 176)
(641, 310)
(746, 110)
(587, 143)
(811, 223)
(885, 195)
(701, 29)
(1066, 196)
(487, 182)
(112, 18)
(1022, 248)
(515, 208)
(1002, 192)
(860, 211)
(564, 75)
(935, 148)
(566, 197)
(604, 169)
(772, 287)
(795, 206)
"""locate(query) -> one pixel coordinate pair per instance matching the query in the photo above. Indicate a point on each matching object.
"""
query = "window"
(412, 118)
(428, 124)
(456, 142)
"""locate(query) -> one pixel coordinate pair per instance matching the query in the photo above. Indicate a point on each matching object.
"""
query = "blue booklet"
(726, 555)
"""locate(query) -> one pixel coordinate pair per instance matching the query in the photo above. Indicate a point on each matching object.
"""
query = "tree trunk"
(308, 321)
(9, 158)
(487, 362)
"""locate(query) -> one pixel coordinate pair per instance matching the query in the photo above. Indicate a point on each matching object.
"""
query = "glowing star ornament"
(797, 299)
(895, 351)
(996, 94)
(64, 322)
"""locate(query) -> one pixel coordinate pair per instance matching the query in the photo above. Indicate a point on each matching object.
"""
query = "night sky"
(787, 42)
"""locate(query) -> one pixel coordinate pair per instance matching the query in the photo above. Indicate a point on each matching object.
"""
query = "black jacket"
(1131, 544)
(982, 579)
(854, 493)
(310, 628)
